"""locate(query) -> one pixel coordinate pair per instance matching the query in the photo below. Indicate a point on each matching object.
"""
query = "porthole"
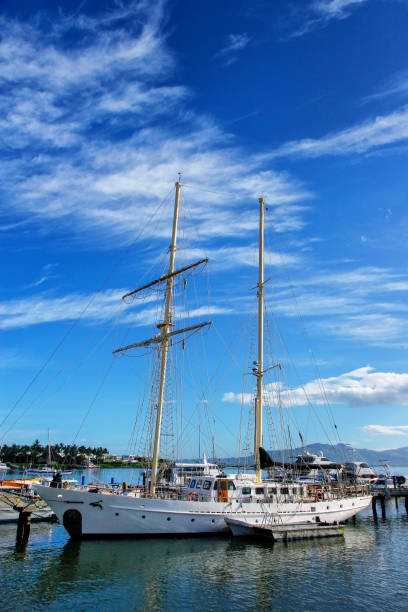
(116, 513)
(192, 520)
(328, 507)
(213, 520)
(168, 518)
(143, 516)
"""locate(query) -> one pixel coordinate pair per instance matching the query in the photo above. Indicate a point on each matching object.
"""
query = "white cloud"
(235, 43)
(363, 304)
(48, 274)
(44, 309)
(92, 309)
(377, 133)
(224, 258)
(320, 12)
(396, 86)
(81, 120)
(387, 430)
(361, 387)
(334, 9)
(15, 360)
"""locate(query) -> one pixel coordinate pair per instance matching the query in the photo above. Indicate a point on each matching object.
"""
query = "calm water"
(367, 570)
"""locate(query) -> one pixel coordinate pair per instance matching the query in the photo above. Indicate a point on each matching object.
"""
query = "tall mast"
(49, 449)
(165, 327)
(259, 372)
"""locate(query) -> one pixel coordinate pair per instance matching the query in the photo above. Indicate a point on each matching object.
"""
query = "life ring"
(193, 495)
(319, 496)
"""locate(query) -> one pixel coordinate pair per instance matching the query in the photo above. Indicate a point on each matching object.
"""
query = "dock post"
(406, 503)
(374, 506)
(396, 502)
(23, 527)
(382, 501)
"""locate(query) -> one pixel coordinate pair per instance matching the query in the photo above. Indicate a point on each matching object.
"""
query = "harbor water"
(365, 570)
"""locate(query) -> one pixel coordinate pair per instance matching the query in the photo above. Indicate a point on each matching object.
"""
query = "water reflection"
(361, 571)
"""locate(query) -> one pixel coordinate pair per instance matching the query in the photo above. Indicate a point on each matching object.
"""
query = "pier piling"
(382, 502)
(23, 527)
(374, 507)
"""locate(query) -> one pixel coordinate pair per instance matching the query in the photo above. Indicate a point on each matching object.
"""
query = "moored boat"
(208, 500)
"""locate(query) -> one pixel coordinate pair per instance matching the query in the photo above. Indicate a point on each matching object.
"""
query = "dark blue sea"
(365, 570)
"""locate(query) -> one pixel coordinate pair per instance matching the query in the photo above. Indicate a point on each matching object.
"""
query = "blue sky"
(103, 103)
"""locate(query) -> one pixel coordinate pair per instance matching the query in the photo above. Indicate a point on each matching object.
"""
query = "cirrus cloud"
(387, 430)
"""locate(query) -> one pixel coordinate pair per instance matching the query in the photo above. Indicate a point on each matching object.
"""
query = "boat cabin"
(227, 488)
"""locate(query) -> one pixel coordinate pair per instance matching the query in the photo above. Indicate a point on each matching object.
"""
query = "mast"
(259, 368)
(49, 449)
(164, 328)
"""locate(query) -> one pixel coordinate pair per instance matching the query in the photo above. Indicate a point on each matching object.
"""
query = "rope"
(83, 312)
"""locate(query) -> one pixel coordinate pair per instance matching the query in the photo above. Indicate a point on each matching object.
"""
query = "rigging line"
(227, 193)
(60, 387)
(300, 384)
(305, 335)
(90, 302)
(288, 355)
(63, 368)
(242, 333)
(227, 348)
(99, 389)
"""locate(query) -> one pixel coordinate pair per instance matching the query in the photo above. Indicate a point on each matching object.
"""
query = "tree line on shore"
(37, 454)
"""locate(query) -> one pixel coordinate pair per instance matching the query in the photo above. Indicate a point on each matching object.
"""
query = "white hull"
(120, 515)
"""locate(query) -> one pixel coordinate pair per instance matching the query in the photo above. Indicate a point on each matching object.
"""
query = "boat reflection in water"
(187, 573)
(361, 571)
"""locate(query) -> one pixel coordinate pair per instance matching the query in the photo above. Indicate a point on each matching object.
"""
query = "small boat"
(389, 483)
(360, 472)
(17, 495)
(284, 533)
(46, 471)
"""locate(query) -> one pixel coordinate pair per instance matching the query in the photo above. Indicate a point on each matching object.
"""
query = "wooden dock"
(383, 495)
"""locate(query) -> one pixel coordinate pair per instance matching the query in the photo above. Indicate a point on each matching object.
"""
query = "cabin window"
(223, 485)
(198, 484)
(246, 490)
(284, 490)
(207, 484)
(260, 491)
(215, 485)
(294, 491)
(272, 490)
(231, 486)
(192, 484)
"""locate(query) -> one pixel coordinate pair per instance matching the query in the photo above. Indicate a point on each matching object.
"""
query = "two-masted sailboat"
(209, 502)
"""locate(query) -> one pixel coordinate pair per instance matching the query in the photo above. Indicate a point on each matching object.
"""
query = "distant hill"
(339, 453)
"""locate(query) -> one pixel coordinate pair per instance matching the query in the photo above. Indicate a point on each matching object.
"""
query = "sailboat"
(47, 470)
(208, 501)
